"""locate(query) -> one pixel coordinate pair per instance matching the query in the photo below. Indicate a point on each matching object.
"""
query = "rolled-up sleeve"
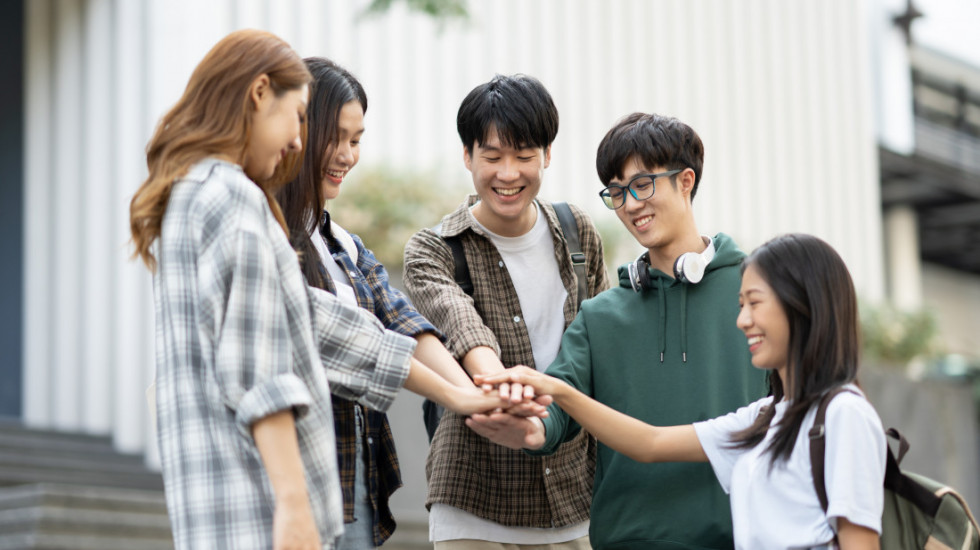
(253, 359)
(363, 361)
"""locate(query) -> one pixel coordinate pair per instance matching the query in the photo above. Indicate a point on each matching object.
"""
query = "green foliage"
(440, 10)
(896, 337)
(386, 207)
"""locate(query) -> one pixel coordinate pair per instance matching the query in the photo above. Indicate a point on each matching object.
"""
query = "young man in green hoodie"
(662, 347)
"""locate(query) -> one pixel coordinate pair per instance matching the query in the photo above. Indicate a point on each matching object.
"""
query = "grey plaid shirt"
(463, 469)
(239, 336)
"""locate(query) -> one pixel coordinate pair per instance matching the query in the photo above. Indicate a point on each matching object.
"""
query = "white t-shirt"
(531, 263)
(780, 508)
(341, 279)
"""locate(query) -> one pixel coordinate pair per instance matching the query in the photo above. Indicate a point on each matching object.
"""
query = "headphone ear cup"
(645, 282)
(689, 267)
(639, 275)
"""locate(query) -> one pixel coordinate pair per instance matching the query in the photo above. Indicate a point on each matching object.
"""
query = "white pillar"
(904, 260)
(37, 227)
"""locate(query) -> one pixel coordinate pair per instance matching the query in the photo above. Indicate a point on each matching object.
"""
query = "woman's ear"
(260, 91)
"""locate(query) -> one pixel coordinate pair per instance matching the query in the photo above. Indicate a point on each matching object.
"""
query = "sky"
(950, 26)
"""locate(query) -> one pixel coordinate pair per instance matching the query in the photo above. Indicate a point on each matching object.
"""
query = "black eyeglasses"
(641, 186)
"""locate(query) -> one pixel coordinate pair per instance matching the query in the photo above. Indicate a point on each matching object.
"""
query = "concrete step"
(74, 517)
(30, 455)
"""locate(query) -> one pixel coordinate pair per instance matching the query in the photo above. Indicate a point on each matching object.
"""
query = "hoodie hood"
(727, 254)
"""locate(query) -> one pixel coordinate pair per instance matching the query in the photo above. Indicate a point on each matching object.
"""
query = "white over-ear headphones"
(690, 266)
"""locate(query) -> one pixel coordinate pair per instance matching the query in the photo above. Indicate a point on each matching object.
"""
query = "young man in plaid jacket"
(482, 495)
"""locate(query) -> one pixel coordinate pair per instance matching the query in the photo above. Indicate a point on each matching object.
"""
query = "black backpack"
(919, 512)
(432, 411)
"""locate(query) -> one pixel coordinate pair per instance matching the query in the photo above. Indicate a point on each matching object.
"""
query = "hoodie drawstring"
(684, 322)
(663, 317)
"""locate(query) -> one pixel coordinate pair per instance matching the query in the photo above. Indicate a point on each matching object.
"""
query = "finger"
(504, 388)
(528, 392)
(516, 393)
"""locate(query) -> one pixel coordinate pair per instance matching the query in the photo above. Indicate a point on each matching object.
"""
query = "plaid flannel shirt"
(370, 282)
(463, 469)
(239, 336)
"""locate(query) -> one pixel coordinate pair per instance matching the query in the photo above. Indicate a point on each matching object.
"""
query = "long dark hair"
(301, 199)
(817, 295)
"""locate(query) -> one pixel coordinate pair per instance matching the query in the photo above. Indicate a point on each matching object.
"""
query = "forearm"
(433, 354)
(278, 446)
(629, 436)
(482, 360)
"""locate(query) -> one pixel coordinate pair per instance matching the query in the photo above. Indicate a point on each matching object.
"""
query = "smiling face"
(664, 223)
(275, 132)
(342, 154)
(507, 180)
(762, 318)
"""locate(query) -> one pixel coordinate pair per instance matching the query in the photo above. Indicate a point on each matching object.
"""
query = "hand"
(293, 527)
(532, 407)
(470, 400)
(511, 431)
(525, 380)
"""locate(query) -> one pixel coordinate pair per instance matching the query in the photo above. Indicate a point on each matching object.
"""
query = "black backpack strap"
(818, 444)
(461, 273)
(569, 229)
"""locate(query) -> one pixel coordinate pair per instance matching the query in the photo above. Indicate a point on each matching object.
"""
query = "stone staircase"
(69, 491)
(66, 491)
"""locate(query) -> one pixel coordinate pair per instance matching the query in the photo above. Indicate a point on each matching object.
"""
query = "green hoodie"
(628, 350)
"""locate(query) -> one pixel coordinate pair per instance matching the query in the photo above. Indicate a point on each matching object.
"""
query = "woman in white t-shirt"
(799, 313)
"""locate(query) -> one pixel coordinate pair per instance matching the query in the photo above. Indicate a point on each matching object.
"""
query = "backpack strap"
(569, 229)
(818, 444)
(461, 272)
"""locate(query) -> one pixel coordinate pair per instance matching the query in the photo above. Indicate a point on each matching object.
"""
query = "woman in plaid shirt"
(338, 261)
(244, 348)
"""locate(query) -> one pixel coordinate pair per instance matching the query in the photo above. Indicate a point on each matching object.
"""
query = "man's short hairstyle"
(518, 106)
(654, 140)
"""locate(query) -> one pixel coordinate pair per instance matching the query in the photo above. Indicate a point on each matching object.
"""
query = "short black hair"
(654, 140)
(518, 106)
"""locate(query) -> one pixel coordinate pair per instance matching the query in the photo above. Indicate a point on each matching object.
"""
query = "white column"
(63, 332)
(99, 247)
(37, 234)
(132, 351)
(904, 261)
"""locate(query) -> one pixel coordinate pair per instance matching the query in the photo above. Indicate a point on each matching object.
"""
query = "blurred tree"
(895, 337)
(386, 207)
(441, 10)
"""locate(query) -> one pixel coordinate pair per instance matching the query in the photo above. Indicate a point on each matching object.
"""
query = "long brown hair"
(816, 292)
(301, 199)
(214, 118)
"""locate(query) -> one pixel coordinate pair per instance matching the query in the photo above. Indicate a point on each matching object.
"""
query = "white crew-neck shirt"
(779, 508)
(531, 264)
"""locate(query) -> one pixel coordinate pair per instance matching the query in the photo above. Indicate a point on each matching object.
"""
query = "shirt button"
(547, 471)
(500, 263)
(351, 274)
(517, 318)
(370, 441)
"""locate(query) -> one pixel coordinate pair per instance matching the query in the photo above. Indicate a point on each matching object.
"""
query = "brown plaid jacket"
(463, 469)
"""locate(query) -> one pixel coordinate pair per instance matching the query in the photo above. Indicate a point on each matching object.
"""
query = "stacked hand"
(518, 425)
